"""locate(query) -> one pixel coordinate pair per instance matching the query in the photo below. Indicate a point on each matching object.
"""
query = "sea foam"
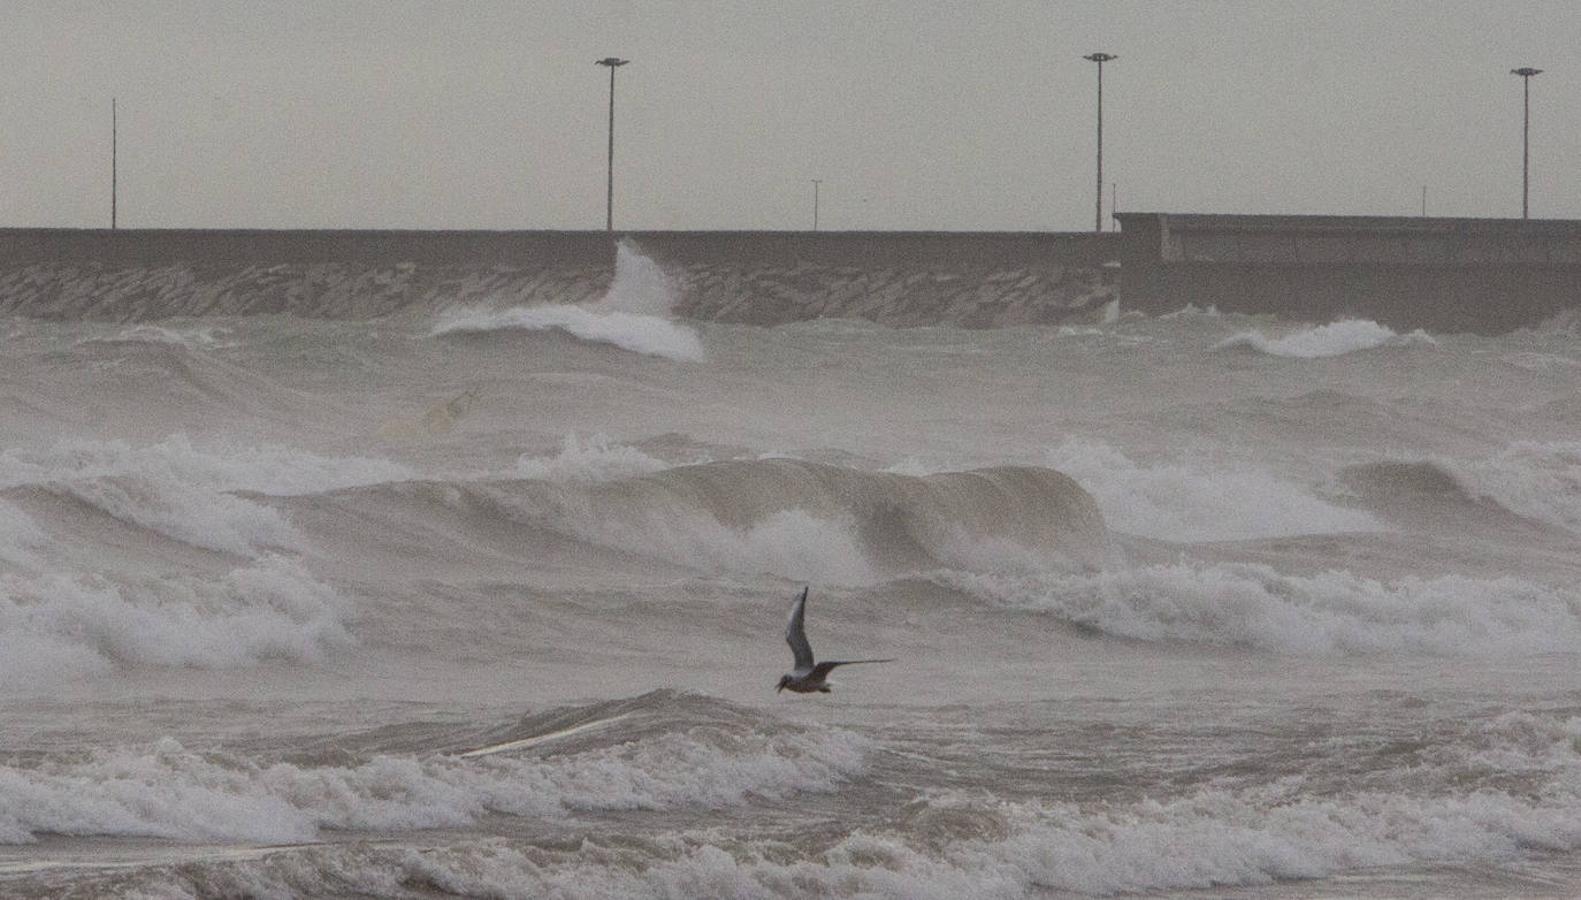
(170, 791)
(60, 626)
(957, 844)
(1334, 339)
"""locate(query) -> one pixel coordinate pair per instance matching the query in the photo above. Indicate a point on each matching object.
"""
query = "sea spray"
(633, 315)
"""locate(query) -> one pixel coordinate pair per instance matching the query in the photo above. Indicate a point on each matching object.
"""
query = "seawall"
(896, 278)
(1444, 275)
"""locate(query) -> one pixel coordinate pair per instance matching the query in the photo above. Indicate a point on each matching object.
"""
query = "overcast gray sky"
(931, 115)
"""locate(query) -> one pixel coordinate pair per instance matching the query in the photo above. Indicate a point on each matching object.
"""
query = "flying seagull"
(809, 677)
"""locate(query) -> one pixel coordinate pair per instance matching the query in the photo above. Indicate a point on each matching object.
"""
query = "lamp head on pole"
(611, 61)
(1101, 58)
(1526, 72)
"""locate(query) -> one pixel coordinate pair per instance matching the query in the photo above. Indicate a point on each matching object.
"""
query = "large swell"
(797, 519)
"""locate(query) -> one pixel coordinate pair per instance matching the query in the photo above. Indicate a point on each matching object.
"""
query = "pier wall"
(1443, 275)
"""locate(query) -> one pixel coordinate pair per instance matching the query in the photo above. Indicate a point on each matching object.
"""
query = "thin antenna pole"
(1114, 205)
(113, 187)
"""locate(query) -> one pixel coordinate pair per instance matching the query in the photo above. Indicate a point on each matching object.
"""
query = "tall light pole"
(1526, 74)
(1100, 59)
(815, 183)
(609, 202)
(112, 163)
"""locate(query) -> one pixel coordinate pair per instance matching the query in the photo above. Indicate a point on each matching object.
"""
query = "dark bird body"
(809, 677)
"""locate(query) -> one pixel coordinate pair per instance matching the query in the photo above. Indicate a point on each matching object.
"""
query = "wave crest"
(1537, 481)
(54, 627)
(171, 791)
(1333, 339)
(594, 459)
(1330, 613)
(186, 493)
(811, 521)
(1178, 502)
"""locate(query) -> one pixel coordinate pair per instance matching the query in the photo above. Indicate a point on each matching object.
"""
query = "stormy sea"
(487, 598)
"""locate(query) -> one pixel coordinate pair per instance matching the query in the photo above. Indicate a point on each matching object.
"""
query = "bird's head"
(784, 681)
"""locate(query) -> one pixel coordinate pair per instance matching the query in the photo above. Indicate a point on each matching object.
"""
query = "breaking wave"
(955, 844)
(171, 791)
(56, 627)
(1185, 503)
(184, 492)
(633, 316)
(593, 459)
(1334, 339)
(1330, 613)
(1538, 481)
(811, 521)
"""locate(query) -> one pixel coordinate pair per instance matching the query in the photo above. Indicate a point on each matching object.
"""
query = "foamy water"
(491, 602)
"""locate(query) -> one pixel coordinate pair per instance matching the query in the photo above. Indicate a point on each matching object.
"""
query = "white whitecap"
(1320, 341)
(1193, 502)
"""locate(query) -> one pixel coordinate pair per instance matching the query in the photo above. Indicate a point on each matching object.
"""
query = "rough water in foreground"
(489, 602)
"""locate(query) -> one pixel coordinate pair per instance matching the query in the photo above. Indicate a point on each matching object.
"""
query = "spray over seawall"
(633, 315)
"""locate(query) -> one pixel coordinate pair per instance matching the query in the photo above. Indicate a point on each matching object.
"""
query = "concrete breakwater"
(896, 278)
(1444, 275)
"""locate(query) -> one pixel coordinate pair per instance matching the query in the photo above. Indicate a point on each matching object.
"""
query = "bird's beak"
(779, 687)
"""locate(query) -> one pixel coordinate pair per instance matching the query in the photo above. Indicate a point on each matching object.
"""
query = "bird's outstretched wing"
(823, 668)
(796, 633)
